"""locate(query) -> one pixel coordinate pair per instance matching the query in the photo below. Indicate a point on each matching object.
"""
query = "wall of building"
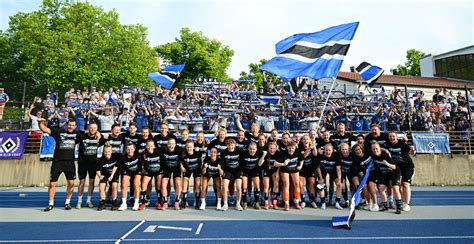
(427, 66)
(430, 170)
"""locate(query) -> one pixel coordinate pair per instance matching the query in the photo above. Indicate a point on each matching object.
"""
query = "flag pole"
(327, 99)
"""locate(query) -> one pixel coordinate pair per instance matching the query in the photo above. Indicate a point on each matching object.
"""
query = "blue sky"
(251, 28)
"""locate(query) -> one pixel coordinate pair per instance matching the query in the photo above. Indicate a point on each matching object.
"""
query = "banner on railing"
(12, 145)
(431, 142)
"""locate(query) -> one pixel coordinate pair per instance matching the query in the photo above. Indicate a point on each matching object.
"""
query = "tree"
(204, 57)
(412, 65)
(256, 74)
(75, 44)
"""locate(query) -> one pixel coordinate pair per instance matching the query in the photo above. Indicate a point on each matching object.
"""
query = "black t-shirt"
(65, 144)
(192, 162)
(309, 159)
(141, 144)
(400, 153)
(200, 147)
(129, 138)
(250, 162)
(221, 146)
(231, 160)
(281, 146)
(362, 163)
(378, 162)
(162, 141)
(339, 139)
(293, 160)
(271, 159)
(241, 145)
(180, 143)
(250, 137)
(117, 144)
(171, 159)
(263, 148)
(347, 163)
(106, 166)
(328, 164)
(88, 146)
(212, 166)
(382, 140)
(152, 161)
(320, 144)
(130, 164)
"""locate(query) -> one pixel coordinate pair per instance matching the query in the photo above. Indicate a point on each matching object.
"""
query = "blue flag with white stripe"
(168, 75)
(315, 55)
(370, 73)
(270, 99)
(346, 221)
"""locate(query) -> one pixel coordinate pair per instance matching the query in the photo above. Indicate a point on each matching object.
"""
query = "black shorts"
(374, 176)
(252, 173)
(115, 178)
(308, 171)
(195, 173)
(395, 177)
(269, 172)
(58, 167)
(351, 174)
(332, 175)
(171, 172)
(86, 168)
(128, 173)
(211, 174)
(407, 174)
(152, 173)
(232, 173)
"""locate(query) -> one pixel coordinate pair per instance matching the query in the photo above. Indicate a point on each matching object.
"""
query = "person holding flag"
(63, 161)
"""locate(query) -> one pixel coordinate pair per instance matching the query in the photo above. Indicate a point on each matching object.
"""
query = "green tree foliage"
(412, 65)
(204, 57)
(257, 75)
(75, 44)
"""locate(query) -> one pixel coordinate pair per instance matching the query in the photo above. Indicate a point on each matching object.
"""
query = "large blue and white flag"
(315, 55)
(168, 75)
(346, 221)
(370, 73)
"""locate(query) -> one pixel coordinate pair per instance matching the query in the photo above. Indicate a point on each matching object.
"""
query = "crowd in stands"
(209, 106)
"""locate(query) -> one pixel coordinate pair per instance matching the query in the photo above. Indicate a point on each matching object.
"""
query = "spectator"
(3, 100)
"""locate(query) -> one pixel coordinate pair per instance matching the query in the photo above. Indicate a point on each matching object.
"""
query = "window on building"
(458, 67)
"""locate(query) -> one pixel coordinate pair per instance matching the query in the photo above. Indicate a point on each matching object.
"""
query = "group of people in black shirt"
(277, 170)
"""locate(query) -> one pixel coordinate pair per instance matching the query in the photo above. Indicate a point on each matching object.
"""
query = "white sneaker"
(89, 205)
(79, 205)
(303, 204)
(338, 206)
(219, 207)
(375, 208)
(203, 206)
(323, 205)
(238, 207)
(123, 206)
(314, 205)
(225, 207)
(368, 206)
(406, 207)
(135, 206)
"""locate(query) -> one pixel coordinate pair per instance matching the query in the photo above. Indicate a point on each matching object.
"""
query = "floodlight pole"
(327, 99)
